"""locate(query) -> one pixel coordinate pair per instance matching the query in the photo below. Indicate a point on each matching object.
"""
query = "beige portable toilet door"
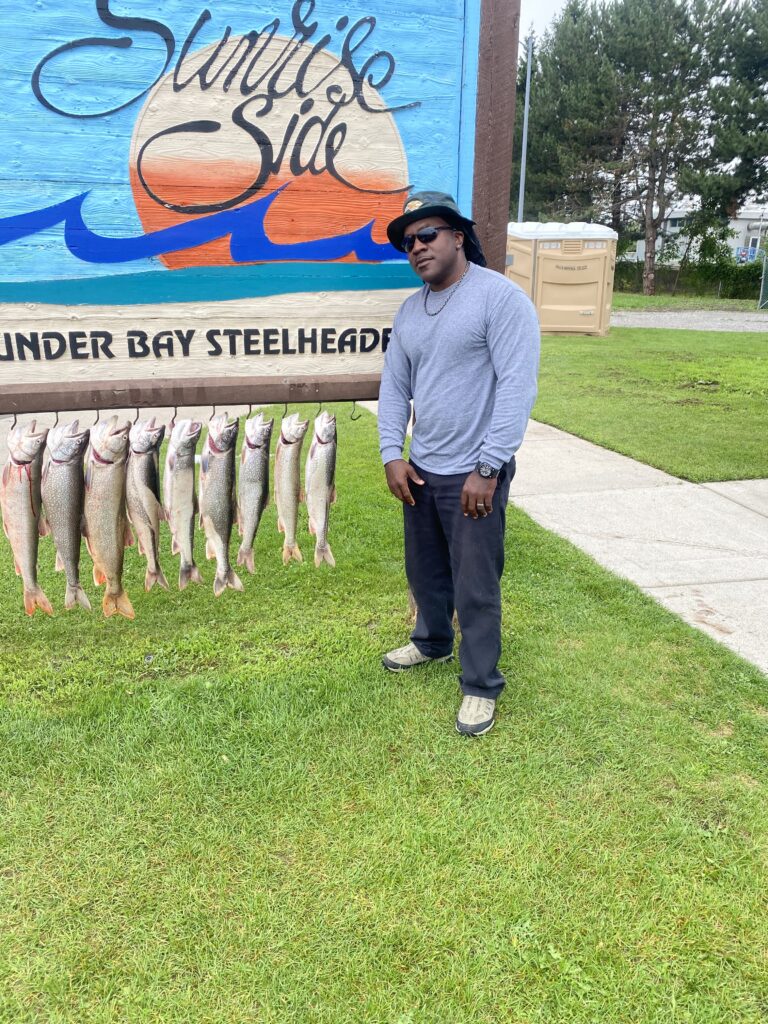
(570, 287)
(521, 253)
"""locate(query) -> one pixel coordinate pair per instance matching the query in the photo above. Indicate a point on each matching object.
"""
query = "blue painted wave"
(249, 241)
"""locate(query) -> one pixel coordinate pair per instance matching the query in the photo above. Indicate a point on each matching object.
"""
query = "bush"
(726, 278)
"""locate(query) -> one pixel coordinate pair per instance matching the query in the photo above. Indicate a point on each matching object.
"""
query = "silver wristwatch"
(486, 471)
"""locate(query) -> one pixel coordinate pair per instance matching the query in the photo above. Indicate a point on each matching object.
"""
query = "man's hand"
(477, 496)
(399, 473)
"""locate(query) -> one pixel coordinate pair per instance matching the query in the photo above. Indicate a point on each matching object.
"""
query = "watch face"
(485, 470)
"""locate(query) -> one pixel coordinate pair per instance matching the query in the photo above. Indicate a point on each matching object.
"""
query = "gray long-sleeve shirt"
(470, 371)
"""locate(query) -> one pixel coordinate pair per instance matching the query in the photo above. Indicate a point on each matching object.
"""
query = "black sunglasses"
(424, 235)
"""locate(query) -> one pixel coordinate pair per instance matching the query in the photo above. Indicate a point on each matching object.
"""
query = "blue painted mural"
(207, 148)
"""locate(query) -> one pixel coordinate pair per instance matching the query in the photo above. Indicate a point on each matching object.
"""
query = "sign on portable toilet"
(567, 270)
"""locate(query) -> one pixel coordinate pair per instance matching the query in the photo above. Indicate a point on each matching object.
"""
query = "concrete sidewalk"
(701, 550)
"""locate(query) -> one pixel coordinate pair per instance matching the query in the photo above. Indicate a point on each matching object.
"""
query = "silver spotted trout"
(253, 486)
(320, 484)
(180, 499)
(288, 483)
(20, 501)
(217, 498)
(106, 529)
(63, 490)
(142, 492)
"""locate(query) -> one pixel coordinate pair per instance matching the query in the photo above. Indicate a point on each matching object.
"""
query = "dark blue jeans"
(452, 563)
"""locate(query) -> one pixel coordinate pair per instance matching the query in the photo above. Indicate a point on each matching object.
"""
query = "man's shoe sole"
(392, 666)
(481, 732)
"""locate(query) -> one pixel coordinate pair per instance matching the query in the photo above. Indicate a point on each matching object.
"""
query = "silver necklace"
(452, 291)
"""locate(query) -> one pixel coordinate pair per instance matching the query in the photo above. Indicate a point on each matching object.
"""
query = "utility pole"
(521, 193)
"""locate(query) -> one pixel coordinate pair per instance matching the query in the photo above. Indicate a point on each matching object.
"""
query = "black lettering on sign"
(251, 341)
(365, 344)
(100, 344)
(78, 344)
(287, 350)
(137, 344)
(308, 338)
(385, 336)
(328, 342)
(7, 355)
(49, 337)
(233, 334)
(162, 342)
(29, 344)
(185, 340)
(271, 341)
(348, 340)
(215, 349)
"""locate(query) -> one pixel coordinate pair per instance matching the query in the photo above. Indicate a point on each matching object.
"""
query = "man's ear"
(460, 239)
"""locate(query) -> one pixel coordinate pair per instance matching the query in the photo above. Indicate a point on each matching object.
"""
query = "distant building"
(749, 227)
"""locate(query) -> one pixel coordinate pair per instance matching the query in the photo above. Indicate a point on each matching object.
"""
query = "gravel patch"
(693, 320)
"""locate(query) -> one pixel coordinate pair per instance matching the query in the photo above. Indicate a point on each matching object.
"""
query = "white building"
(749, 227)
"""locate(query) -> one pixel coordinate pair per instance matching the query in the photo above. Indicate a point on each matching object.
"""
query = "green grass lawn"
(693, 403)
(655, 303)
(225, 811)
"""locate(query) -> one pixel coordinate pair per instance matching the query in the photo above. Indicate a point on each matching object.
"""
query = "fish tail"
(245, 557)
(323, 553)
(118, 604)
(36, 599)
(151, 578)
(291, 553)
(75, 595)
(189, 574)
(228, 578)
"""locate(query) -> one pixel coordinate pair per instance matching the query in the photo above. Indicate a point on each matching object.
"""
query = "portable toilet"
(567, 270)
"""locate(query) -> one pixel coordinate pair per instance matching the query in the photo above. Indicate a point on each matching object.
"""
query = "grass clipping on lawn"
(226, 811)
(693, 403)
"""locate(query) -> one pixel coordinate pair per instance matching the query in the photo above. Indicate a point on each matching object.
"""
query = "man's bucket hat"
(436, 204)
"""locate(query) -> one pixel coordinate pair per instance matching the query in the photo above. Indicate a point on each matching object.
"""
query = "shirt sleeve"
(394, 399)
(513, 343)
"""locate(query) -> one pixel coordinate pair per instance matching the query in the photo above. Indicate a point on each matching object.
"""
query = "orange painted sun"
(236, 131)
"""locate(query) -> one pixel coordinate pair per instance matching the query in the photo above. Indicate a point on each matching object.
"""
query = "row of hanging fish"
(120, 489)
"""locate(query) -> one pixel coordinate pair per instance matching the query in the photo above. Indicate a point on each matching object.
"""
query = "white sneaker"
(476, 716)
(407, 657)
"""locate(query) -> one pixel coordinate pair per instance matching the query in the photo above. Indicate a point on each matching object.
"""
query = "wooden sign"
(194, 200)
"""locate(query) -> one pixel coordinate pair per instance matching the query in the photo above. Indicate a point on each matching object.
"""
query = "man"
(465, 350)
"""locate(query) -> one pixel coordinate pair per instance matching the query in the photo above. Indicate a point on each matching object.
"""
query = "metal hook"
(172, 424)
(98, 417)
(250, 409)
(56, 421)
(213, 411)
(138, 413)
(14, 421)
(352, 414)
(285, 409)
(319, 408)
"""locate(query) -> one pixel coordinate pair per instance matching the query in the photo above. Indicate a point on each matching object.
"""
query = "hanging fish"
(319, 484)
(143, 495)
(20, 502)
(63, 490)
(106, 529)
(217, 498)
(253, 487)
(288, 484)
(180, 498)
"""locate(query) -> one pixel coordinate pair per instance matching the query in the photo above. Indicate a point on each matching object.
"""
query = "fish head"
(109, 440)
(26, 441)
(68, 442)
(258, 431)
(222, 432)
(293, 429)
(325, 427)
(185, 435)
(146, 436)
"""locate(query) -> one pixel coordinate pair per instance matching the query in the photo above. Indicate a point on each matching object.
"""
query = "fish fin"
(99, 577)
(333, 495)
(291, 553)
(88, 476)
(151, 578)
(175, 549)
(6, 473)
(128, 540)
(139, 546)
(74, 596)
(59, 563)
(17, 567)
(36, 599)
(189, 574)
(83, 527)
(43, 527)
(302, 495)
(280, 525)
(245, 557)
(117, 604)
(223, 580)
(324, 554)
(312, 528)
(210, 551)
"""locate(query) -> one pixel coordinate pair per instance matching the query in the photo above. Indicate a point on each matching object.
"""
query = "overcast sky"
(538, 13)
